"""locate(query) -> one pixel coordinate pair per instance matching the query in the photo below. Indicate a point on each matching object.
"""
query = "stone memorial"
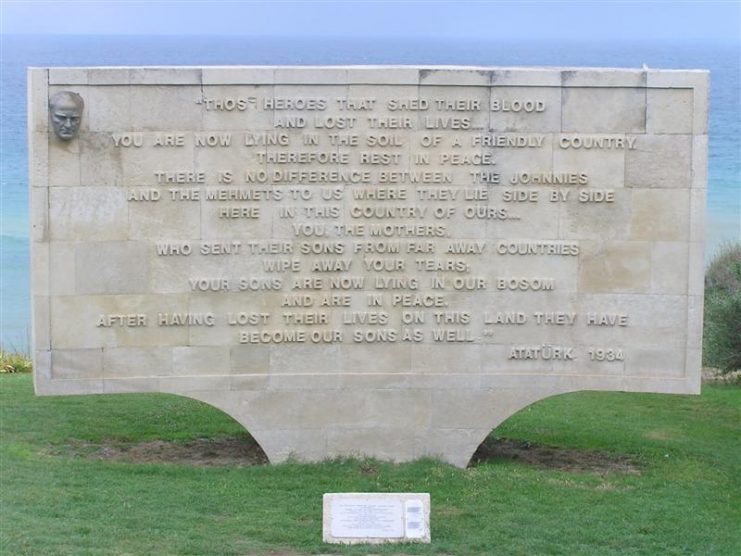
(379, 261)
(375, 518)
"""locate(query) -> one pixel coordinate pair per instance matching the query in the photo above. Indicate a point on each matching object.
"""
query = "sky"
(578, 20)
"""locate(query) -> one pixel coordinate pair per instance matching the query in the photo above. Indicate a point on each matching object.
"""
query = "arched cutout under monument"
(448, 425)
(215, 444)
(522, 444)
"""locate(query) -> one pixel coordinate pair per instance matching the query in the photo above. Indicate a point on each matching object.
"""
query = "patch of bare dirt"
(202, 452)
(549, 457)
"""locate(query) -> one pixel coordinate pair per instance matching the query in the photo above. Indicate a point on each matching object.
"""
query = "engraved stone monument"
(380, 261)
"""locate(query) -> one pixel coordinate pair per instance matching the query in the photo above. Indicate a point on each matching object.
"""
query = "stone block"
(109, 76)
(603, 77)
(108, 109)
(165, 76)
(41, 368)
(607, 217)
(306, 359)
(526, 77)
(125, 362)
(200, 360)
(363, 357)
(73, 387)
(383, 75)
(62, 260)
(653, 321)
(130, 385)
(117, 267)
(655, 363)
(370, 381)
(698, 199)
(100, 161)
(304, 381)
(310, 75)
(525, 109)
(40, 215)
(696, 268)
(615, 266)
(166, 108)
(699, 161)
(246, 359)
(83, 213)
(237, 75)
(38, 100)
(669, 111)
(446, 359)
(40, 267)
(659, 161)
(694, 323)
(669, 267)
(92, 321)
(38, 159)
(238, 108)
(68, 76)
(63, 163)
(167, 217)
(603, 110)
(294, 445)
(604, 168)
(248, 382)
(660, 215)
(40, 311)
(410, 409)
(141, 166)
(454, 76)
(698, 80)
(385, 443)
(77, 363)
(453, 446)
(191, 386)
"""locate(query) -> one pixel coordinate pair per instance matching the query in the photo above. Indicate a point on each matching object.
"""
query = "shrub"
(14, 362)
(722, 332)
(724, 271)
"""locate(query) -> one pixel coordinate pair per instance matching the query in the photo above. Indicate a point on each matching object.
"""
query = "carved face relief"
(65, 111)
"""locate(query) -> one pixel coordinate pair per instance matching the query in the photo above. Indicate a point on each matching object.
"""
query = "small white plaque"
(363, 517)
(373, 518)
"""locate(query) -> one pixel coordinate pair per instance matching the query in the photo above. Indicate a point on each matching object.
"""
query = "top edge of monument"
(378, 75)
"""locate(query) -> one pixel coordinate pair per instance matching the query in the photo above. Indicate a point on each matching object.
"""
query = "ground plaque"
(374, 518)
(385, 261)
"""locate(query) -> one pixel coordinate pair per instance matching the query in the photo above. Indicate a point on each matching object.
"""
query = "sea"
(17, 52)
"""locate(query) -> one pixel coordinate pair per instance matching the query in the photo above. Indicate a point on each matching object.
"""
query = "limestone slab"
(371, 261)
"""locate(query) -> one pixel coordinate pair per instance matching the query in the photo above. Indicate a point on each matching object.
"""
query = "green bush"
(722, 333)
(14, 362)
(724, 271)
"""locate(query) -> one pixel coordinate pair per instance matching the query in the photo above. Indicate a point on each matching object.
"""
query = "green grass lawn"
(686, 500)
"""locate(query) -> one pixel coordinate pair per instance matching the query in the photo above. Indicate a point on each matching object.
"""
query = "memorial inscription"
(385, 261)
(376, 518)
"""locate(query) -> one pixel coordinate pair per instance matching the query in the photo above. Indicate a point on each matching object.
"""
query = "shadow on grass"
(549, 457)
(201, 452)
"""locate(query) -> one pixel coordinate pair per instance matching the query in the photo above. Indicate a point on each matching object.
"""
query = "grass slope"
(687, 500)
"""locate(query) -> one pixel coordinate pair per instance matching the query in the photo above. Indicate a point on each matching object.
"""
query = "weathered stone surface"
(369, 261)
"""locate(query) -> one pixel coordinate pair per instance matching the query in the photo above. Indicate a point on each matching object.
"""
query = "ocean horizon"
(18, 52)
